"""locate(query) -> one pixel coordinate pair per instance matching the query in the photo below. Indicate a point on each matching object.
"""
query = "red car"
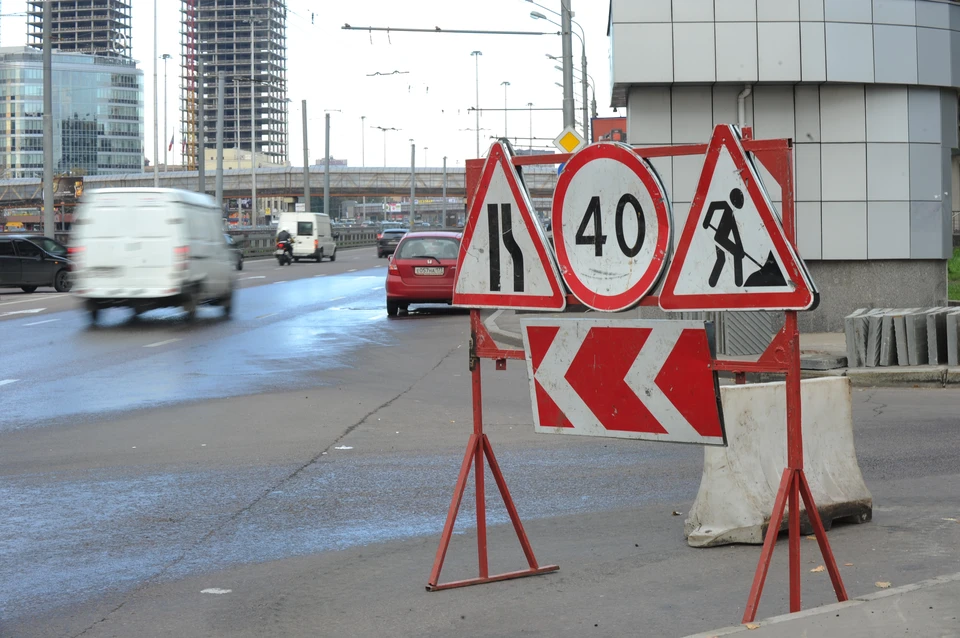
(422, 270)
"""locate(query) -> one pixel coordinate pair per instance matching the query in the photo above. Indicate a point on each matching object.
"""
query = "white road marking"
(37, 298)
(323, 274)
(8, 381)
(215, 590)
(337, 298)
(343, 447)
(255, 277)
(283, 281)
(160, 343)
(272, 314)
(352, 270)
(377, 288)
(32, 311)
(37, 323)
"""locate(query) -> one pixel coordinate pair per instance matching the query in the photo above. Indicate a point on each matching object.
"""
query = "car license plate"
(428, 271)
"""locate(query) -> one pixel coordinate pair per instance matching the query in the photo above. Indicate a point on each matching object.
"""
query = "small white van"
(313, 236)
(146, 248)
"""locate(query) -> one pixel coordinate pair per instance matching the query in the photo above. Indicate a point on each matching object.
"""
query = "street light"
(505, 84)
(384, 131)
(165, 57)
(476, 56)
(363, 143)
(530, 106)
(536, 15)
(425, 149)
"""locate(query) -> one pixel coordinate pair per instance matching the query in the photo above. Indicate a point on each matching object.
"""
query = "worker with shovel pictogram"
(728, 240)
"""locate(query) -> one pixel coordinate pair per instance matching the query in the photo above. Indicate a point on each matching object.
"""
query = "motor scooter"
(284, 252)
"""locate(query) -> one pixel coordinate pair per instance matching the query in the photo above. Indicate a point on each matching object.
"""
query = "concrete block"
(917, 338)
(919, 376)
(874, 322)
(937, 336)
(953, 342)
(740, 481)
(888, 346)
(853, 335)
(900, 335)
(952, 376)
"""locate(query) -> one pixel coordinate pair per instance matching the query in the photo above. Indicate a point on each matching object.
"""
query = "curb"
(828, 609)
(499, 334)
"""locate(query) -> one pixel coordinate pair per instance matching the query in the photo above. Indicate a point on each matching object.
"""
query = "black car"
(387, 241)
(235, 249)
(31, 261)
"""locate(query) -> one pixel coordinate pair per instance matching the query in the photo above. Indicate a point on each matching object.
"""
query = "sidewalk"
(927, 608)
(822, 354)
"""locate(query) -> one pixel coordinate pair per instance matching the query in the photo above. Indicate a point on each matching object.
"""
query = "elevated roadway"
(288, 182)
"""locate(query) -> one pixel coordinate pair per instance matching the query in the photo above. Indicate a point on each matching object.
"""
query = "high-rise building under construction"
(98, 27)
(247, 40)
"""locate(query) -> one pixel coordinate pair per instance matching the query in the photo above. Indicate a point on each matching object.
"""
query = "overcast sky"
(329, 67)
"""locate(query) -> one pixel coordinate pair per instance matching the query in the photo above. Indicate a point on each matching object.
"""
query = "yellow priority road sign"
(569, 141)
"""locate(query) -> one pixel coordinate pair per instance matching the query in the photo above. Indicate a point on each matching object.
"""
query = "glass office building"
(97, 114)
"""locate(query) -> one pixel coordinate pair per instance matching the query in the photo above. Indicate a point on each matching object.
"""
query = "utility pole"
(165, 57)
(443, 220)
(254, 214)
(413, 180)
(326, 169)
(569, 119)
(583, 85)
(221, 89)
(530, 106)
(505, 84)
(476, 57)
(201, 112)
(156, 133)
(306, 160)
(363, 160)
(49, 220)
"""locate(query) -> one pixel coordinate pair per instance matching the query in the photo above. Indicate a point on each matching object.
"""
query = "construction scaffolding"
(247, 40)
(100, 27)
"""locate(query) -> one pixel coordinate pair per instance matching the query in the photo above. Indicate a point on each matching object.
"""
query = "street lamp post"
(384, 130)
(156, 135)
(165, 57)
(363, 141)
(566, 19)
(413, 181)
(476, 56)
(505, 84)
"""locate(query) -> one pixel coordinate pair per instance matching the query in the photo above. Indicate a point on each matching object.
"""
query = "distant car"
(422, 270)
(235, 249)
(387, 241)
(30, 261)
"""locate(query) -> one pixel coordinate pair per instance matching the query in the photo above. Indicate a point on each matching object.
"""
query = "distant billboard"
(609, 129)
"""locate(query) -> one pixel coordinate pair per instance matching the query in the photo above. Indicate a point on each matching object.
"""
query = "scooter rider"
(285, 238)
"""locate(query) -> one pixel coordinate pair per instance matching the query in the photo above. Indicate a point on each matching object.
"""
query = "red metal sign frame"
(781, 356)
(650, 277)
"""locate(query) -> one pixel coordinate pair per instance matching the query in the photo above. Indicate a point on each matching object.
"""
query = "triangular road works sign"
(504, 261)
(733, 254)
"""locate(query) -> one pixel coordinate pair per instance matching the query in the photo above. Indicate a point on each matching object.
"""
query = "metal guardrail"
(257, 242)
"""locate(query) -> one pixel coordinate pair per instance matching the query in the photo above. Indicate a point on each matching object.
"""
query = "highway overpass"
(288, 182)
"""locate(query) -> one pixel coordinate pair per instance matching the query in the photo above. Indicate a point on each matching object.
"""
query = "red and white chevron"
(628, 379)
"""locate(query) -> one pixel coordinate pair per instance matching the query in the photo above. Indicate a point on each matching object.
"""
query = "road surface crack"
(279, 484)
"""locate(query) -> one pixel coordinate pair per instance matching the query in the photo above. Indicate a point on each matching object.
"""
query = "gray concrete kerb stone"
(893, 594)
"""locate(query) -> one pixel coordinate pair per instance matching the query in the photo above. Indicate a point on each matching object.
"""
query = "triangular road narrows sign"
(504, 261)
(733, 253)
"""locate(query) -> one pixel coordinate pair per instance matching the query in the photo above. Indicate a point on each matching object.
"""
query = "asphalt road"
(302, 456)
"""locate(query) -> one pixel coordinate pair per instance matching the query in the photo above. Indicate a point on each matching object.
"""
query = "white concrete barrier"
(740, 481)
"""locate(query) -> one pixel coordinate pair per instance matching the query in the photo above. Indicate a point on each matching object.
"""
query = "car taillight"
(379, 236)
(316, 244)
(75, 253)
(181, 255)
(392, 266)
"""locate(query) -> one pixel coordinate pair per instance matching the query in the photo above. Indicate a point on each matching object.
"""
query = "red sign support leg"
(793, 487)
(478, 447)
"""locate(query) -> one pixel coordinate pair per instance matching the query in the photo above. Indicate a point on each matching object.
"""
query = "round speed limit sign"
(611, 226)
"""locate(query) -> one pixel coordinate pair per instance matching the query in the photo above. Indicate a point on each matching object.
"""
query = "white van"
(313, 236)
(147, 248)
